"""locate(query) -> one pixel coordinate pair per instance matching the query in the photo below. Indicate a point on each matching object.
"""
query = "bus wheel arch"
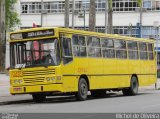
(135, 75)
(83, 88)
(87, 80)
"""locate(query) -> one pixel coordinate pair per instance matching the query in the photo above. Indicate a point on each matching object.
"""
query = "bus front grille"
(36, 80)
(39, 72)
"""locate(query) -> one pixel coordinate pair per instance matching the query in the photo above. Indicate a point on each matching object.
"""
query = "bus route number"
(82, 70)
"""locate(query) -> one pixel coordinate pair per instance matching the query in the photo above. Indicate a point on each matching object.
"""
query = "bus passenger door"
(68, 64)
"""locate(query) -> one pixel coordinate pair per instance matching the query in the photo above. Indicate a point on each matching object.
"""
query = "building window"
(100, 5)
(59, 6)
(147, 4)
(31, 7)
(149, 32)
(125, 5)
(24, 8)
(151, 5)
(125, 30)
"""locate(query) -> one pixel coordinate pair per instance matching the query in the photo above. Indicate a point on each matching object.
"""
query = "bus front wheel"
(82, 90)
(133, 89)
(39, 97)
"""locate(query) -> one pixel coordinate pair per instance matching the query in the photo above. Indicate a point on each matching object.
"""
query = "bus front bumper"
(36, 89)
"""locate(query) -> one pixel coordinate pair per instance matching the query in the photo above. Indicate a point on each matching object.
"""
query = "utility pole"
(110, 17)
(66, 21)
(2, 35)
(92, 15)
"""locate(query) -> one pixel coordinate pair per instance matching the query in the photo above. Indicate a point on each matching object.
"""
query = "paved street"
(147, 101)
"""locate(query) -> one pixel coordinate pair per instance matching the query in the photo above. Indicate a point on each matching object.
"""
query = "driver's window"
(67, 49)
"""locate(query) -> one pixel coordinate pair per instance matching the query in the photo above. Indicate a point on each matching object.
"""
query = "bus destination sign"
(32, 34)
(36, 34)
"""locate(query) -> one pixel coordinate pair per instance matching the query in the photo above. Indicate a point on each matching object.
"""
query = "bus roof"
(82, 32)
(116, 36)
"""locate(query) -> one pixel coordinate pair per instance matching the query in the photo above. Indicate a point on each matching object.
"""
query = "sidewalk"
(4, 85)
(4, 79)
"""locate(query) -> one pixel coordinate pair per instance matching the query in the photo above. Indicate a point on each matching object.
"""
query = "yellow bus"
(46, 61)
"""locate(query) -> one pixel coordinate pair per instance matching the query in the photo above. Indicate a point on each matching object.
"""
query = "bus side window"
(120, 47)
(108, 48)
(67, 50)
(150, 51)
(79, 46)
(94, 48)
(132, 50)
(143, 51)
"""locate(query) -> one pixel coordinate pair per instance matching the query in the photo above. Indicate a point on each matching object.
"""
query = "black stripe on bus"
(36, 84)
(105, 74)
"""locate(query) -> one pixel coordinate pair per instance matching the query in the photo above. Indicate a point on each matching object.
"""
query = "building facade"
(126, 15)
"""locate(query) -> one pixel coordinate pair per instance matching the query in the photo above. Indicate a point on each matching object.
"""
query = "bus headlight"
(52, 78)
(18, 81)
(58, 77)
(48, 79)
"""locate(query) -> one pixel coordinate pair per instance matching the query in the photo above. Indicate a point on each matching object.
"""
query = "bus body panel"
(102, 73)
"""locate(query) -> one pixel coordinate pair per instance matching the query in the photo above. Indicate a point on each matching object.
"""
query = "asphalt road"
(145, 101)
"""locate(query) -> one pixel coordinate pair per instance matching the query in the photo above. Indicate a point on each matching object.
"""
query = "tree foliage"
(12, 18)
(110, 4)
(139, 3)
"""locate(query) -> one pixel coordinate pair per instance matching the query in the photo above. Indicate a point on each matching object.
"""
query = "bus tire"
(38, 97)
(98, 93)
(133, 89)
(81, 95)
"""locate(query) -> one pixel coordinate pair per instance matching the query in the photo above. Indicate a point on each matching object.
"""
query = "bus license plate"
(18, 89)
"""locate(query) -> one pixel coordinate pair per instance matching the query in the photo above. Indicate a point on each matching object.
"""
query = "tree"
(66, 21)
(140, 12)
(2, 35)
(92, 15)
(139, 2)
(110, 17)
(12, 19)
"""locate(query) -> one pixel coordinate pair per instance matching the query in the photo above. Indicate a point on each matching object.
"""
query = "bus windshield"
(35, 53)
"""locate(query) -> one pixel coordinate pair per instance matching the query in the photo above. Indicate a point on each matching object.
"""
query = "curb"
(2, 72)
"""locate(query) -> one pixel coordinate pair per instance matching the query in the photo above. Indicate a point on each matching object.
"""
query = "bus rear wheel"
(39, 97)
(133, 89)
(82, 93)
